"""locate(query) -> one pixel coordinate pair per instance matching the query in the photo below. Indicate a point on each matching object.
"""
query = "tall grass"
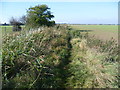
(110, 47)
(34, 59)
(91, 67)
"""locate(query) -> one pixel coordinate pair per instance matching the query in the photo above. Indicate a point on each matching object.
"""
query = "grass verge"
(91, 67)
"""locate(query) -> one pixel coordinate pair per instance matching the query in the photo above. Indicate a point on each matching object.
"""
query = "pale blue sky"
(66, 12)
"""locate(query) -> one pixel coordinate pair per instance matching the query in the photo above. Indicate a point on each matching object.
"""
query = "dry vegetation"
(58, 57)
(90, 67)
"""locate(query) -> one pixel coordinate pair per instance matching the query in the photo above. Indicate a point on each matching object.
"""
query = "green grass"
(0, 47)
(103, 32)
(0, 38)
(7, 29)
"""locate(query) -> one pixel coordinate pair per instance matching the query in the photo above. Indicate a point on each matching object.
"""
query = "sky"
(66, 12)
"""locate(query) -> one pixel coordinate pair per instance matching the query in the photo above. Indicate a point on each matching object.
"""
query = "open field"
(0, 38)
(7, 29)
(103, 32)
(0, 46)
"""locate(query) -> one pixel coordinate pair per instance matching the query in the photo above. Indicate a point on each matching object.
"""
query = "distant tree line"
(94, 24)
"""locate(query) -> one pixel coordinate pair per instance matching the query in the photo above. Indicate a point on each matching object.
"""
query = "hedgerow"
(34, 59)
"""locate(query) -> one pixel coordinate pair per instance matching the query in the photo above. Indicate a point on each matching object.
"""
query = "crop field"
(0, 46)
(103, 32)
(0, 37)
(7, 29)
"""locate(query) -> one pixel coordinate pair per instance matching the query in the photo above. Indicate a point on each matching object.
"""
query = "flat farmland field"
(0, 45)
(7, 29)
(0, 38)
(103, 32)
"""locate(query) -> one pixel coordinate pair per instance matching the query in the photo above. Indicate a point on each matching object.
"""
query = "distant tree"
(23, 19)
(16, 24)
(39, 16)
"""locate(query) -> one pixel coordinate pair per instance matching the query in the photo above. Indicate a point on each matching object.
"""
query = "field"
(7, 29)
(103, 32)
(0, 37)
(0, 48)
